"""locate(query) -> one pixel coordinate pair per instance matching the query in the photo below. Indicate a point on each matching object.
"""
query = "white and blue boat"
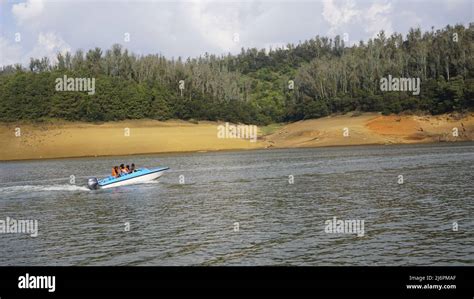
(141, 175)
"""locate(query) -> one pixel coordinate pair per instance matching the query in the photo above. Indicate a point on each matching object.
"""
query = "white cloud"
(27, 10)
(9, 52)
(339, 14)
(378, 18)
(217, 24)
(49, 45)
(346, 15)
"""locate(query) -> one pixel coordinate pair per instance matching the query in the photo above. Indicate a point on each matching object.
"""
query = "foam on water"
(40, 188)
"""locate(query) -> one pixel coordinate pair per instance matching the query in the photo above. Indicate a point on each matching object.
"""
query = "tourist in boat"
(123, 170)
(132, 169)
(115, 172)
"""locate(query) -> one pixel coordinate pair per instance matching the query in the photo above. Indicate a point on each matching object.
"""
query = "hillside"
(77, 139)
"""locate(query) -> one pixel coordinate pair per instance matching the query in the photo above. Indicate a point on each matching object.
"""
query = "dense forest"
(312, 79)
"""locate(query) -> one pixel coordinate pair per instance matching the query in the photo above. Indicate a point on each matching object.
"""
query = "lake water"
(240, 208)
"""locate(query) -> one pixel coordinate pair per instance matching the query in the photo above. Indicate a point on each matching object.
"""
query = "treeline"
(311, 79)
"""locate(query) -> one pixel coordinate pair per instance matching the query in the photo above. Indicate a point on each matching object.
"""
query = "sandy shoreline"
(21, 141)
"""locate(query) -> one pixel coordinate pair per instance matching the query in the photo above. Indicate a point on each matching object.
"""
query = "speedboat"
(141, 175)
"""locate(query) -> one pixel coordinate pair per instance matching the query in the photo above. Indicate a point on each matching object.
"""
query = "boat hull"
(138, 177)
(136, 180)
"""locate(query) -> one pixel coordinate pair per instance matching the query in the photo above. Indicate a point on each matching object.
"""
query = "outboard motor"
(93, 184)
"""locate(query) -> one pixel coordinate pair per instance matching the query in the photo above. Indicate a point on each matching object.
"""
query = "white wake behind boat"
(141, 175)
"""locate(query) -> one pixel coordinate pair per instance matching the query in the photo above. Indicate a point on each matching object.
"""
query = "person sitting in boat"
(127, 168)
(123, 170)
(115, 172)
(132, 169)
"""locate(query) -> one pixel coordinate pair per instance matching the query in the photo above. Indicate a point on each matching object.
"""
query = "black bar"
(219, 282)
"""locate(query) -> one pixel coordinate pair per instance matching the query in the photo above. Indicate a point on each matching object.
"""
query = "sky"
(38, 28)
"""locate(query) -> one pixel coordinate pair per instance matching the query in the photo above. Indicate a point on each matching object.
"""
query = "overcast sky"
(191, 28)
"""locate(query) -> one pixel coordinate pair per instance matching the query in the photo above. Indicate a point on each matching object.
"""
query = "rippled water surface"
(279, 223)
